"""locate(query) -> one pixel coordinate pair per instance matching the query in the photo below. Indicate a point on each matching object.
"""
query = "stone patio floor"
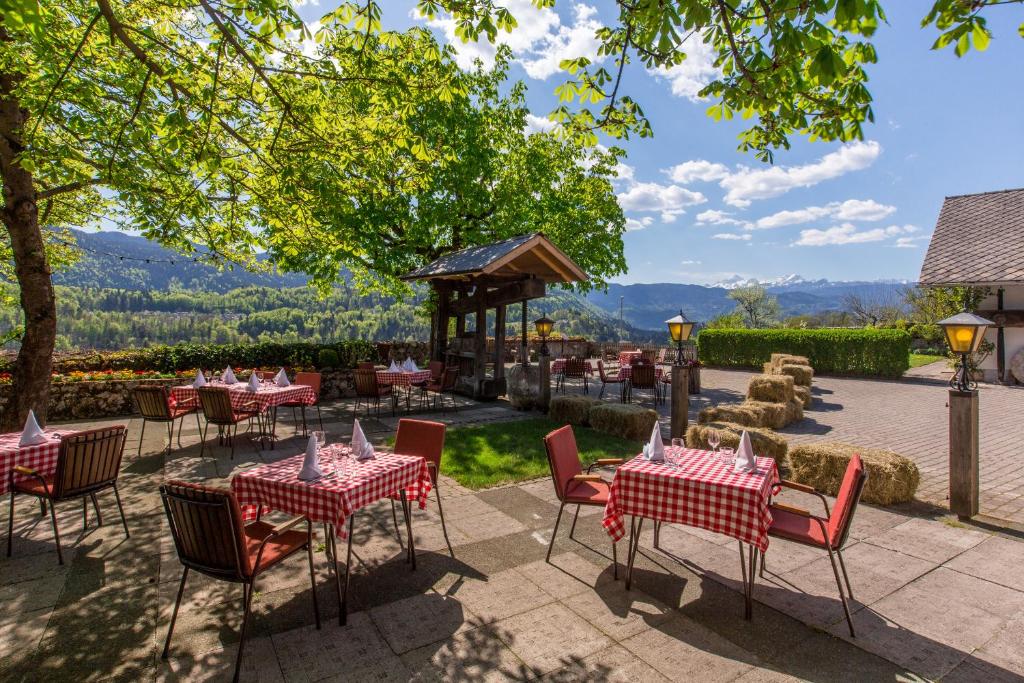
(936, 599)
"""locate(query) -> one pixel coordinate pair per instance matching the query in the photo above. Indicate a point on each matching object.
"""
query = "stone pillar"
(963, 453)
(680, 400)
(544, 395)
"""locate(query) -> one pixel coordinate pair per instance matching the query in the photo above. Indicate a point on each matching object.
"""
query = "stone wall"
(113, 398)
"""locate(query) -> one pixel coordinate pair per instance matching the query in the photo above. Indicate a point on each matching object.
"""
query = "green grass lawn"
(487, 455)
(919, 359)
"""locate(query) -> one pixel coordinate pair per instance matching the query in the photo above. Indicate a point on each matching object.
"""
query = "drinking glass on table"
(727, 454)
(678, 445)
(714, 438)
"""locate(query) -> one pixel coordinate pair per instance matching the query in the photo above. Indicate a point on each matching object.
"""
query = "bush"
(624, 420)
(574, 410)
(765, 442)
(892, 478)
(871, 352)
(801, 374)
(770, 388)
(328, 358)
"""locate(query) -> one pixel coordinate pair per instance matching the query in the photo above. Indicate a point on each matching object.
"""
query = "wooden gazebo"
(470, 281)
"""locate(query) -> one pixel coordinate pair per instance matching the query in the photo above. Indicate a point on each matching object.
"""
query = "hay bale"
(801, 374)
(770, 388)
(624, 420)
(892, 478)
(794, 360)
(773, 415)
(574, 410)
(765, 441)
(741, 414)
(794, 410)
(768, 368)
(804, 394)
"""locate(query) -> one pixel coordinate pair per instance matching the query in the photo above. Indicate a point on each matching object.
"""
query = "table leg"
(272, 416)
(748, 566)
(634, 541)
(342, 592)
(407, 508)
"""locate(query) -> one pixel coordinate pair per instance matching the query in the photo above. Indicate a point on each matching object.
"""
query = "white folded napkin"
(200, 380)
(281, 378)
(745, 461)
(410, 365)
(362, 449)
(228, 376)
(32, 434)
(655, 448)
(394, 367)
(311, 463)
(254, 382)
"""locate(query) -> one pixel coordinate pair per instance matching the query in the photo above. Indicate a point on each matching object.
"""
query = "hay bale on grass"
(574, 410)
(801, 374)
(892, 478)
(770, 388)
(794, 410)
(765, 441)
(625, 420)
(804, 394)
(773, 415)
(741, 414)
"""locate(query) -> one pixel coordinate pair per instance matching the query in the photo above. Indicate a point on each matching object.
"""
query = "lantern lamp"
(964, 334)
(679, 328)
(543, 326)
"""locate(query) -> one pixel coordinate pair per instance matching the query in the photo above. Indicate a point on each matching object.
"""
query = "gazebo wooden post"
(499, 342)
(524, 339)
(480, 344)
(439, 322)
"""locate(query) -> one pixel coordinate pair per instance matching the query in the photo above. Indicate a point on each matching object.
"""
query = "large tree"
(225, 124)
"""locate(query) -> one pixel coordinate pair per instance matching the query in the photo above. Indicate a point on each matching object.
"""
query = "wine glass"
(714, 438)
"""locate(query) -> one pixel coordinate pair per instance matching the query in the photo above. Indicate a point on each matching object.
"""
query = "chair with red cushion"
(368, 390)
(425, 439)
(218, 410)
(572, 486)
(209, 536)
(440, 389)
(607, 379)
(155, 405)
(829, 532)
(87, 463)
(309, 379)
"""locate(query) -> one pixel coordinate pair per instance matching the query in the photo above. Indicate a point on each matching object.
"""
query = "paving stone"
(1005, 649)
(682, 649)
(617, 613)
(474, 655)
(615, 664)
(418, 620)
(486, 526)
(927, 540)
(567, 574)
(551, 637)
(259, 664)
(498, 595)
(997, 559)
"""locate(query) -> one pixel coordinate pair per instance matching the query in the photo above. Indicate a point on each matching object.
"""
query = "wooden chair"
(364, 365)
(572, 485)
(218, 410)
(310, 379)
(643, 376)
(87, 463)
(154, 405)
(576, 368)
(648, 355)
(424, 439)
(611, 379)
(206, 525)
(445, 387)
(368, 389)
(436, 368)
(829, 532)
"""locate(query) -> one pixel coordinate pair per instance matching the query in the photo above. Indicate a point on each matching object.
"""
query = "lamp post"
(679, 328)
(964, 333)
(543, 326)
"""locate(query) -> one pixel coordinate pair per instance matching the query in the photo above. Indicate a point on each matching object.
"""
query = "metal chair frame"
(312, 379)
(449, 379)
(217, 409)
(365, 378)
(575, 368)
(641, 371)
(152, 409)
(434, 469)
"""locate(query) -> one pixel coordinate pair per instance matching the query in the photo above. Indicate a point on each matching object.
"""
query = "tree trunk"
(20, 215)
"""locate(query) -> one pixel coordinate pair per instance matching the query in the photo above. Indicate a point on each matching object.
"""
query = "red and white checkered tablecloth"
(268, 395)
(41, 457)
(702, 492)
(558, 365)
(627, 357)
(330, 499)
(626, 371)
(403, 379)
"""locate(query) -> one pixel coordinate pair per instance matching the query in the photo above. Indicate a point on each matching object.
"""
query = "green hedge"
(873, 352)
(214, 357)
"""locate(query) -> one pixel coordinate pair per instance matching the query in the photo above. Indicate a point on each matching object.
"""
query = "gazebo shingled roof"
(514, 258)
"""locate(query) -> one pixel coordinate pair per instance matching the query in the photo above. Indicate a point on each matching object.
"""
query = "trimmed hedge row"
(872, 352)
(187, 356)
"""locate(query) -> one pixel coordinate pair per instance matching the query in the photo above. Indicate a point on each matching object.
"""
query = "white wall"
(1013, 337)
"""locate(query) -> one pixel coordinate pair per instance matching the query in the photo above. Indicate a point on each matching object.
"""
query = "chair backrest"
(216, 404)
(423, 438)
(575, 367)
(310, 379)
(642, 375)
(88, 461)
(206, 524)
(366, 382)
(600, 371)
(153, 401)
(436, 368)
(648, 355)
(451, 377)
(841, 519)
(661, 355)
(364, 365)
(563, 458)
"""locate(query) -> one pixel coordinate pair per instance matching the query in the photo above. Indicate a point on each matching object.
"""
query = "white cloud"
(850, 210)
(698, 169)
(670, 200)
(539, 124)
(731, 236)
(689, 262)
(696, 71)
(539, 42)
(847, 233)
(749, 184)
(638, 223)
(715, 217)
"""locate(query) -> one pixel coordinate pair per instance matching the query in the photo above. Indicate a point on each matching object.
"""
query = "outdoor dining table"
(267, 399)
(626, 371)
(404, 379)
(696, 488)
(628, 357)
(347, 486)
(558, 365)
(40, 457)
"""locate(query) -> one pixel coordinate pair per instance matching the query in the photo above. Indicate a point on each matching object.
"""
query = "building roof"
(515, 258)
(978, 240)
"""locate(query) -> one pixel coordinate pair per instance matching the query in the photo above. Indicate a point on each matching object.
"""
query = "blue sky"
(700, 211)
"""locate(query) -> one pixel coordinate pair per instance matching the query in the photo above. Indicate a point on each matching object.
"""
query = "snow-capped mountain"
(794, 281)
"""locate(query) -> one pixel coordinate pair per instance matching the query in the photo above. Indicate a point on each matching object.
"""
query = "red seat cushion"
(275, 550)
(33, 486)
(243, 415)
(797, 528)
(179, 410)
(587, 492)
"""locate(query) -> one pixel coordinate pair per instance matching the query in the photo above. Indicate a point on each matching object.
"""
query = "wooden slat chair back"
(366, 382)
(153, 402)
(216, 404)
(88, 461)
(207, 529)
